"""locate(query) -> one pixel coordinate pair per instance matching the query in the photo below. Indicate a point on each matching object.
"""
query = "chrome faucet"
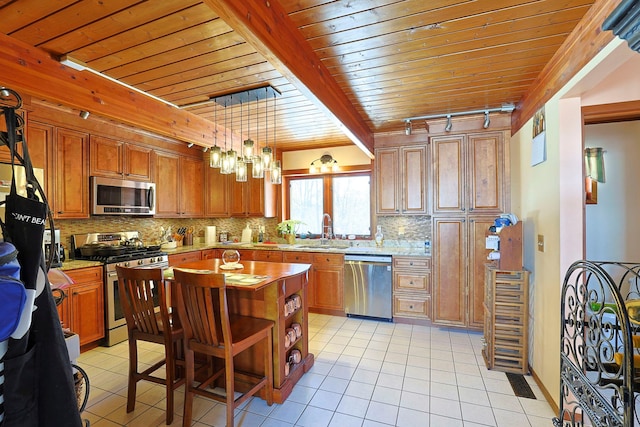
(327, 230)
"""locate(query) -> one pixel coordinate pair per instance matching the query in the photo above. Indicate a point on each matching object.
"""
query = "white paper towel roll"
(210, 236)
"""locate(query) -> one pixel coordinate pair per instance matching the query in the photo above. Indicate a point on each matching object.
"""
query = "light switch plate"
(540, 243)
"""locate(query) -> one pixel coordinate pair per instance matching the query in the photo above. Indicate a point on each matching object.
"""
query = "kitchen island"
(268, 290)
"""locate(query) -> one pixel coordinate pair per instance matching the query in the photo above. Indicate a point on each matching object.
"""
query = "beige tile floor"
(367, 373)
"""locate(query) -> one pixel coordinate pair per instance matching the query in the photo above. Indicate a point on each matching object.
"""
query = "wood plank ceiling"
(392, 59)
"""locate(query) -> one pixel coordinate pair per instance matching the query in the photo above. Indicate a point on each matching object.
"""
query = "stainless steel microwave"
(122, 197)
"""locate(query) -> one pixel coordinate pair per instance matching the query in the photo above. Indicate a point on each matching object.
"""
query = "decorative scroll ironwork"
(596, 363)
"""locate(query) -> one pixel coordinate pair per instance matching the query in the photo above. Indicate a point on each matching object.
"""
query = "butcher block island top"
(275, 291)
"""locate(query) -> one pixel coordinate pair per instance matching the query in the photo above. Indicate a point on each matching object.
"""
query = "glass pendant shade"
(241, 170)
(267, 156)
(276, 172)
(257, 170)
(232, 156)
(215, 157)
(247, 150)
(224, 164)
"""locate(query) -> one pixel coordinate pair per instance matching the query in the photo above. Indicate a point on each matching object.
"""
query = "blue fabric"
(12, 291)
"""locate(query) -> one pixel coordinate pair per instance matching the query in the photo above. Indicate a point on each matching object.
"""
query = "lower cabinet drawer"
(408, 282)
(405, 306)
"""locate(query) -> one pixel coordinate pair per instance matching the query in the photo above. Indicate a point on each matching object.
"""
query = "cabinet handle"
(411, 263)
(60, 212)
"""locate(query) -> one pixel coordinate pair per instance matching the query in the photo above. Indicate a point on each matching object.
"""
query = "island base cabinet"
(273, 303)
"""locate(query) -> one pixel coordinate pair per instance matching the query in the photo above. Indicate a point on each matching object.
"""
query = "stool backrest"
(137, 288)
(202, 307)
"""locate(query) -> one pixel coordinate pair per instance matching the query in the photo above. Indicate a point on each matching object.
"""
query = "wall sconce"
(84, 115)
(324, 164)
(487, 122)
(449, 125)
(407, 127)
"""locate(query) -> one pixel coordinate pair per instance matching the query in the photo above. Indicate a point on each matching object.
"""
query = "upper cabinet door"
(138, 162)
(448, 174)
(167, 185)
(70, 163)
(387, 181)
(106, 156)
(486, 172)
(191, 187)
(414, 180)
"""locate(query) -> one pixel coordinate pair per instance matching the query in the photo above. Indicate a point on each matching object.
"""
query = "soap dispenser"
(379, 237)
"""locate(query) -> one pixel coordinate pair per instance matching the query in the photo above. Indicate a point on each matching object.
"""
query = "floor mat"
(520, 386)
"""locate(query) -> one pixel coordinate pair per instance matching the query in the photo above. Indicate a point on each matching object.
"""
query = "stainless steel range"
(125, 249)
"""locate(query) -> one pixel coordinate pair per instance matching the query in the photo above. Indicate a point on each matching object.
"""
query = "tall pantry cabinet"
(470, 181)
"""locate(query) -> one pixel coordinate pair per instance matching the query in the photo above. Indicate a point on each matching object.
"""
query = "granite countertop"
(336, 246)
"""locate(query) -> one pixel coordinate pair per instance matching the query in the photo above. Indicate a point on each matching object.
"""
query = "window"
(347, 198)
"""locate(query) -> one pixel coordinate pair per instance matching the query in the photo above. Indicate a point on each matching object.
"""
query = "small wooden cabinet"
(469, 173)
(327, 284)
(181, 258)
(401, 180)
(179, 181)
(411, 287)
(253, 198)
(117, 159)
(269, 256)
(506, 306)
(69, 173)
(83, 309)
(216, 198)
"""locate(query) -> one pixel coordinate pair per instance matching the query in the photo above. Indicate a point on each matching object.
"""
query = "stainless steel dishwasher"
(368, 286)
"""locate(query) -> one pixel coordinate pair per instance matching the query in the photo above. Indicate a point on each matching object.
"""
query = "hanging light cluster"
(261, 161)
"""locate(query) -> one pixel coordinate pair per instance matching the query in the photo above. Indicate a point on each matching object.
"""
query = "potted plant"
(288, 228)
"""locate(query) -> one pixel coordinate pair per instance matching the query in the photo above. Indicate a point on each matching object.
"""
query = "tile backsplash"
(416, 228)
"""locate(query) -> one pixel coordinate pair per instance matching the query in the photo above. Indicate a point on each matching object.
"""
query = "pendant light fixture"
(241, 164)
(257, 171)
(232, 155)
(266, 154)
(276, 169)
(215, 153)
(224, 157)
(247, 148)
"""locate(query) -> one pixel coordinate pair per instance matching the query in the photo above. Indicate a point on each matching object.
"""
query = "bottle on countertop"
(379, 237)
(261, 234)
(427, 245)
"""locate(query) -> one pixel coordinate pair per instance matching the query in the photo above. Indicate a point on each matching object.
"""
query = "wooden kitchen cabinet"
(181, 258)
(268, 256)
(216, 198)
(469, 173)
(247, 199)
(83, 309)
(211, 254)
(179, 186)
(69, 174)
(411, 288)
(401, 180)
(327, 284)
(117, 159)
(459, 257)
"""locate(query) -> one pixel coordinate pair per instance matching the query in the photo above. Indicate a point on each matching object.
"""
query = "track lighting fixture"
(505, 108)
(190, 144)
(84, 115)
(449, 125)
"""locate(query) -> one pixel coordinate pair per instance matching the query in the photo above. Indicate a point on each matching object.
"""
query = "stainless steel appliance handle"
(150, 196)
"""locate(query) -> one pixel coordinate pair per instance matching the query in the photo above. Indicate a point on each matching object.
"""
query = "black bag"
(39, 390)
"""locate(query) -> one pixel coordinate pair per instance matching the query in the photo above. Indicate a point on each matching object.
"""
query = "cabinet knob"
(411, 282)
(411, 263)
(60, 212)
(411, 307)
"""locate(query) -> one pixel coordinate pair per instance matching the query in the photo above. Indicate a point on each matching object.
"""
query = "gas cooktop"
(112, 247)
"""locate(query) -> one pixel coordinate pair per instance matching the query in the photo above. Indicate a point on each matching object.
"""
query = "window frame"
(327, 192)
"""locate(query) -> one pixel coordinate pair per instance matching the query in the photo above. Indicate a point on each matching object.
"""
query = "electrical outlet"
(540, 243)
(401, 230)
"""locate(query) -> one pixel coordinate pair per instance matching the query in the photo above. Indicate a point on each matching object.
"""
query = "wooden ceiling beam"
(31, 71)
(266, 26)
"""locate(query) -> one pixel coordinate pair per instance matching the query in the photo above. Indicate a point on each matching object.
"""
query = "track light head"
(407, 127)
(449, 125)
(487, 122)
(84, 115)
(190, 144)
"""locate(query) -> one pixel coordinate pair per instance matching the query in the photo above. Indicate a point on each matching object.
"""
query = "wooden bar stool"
(138, 288)
(208, 329)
